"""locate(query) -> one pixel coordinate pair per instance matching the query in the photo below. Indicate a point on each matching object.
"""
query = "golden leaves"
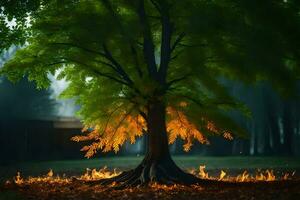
(113, 134)
(227, 135)
(180, 126)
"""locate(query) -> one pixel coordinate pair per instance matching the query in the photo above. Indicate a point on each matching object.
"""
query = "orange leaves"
(227, 135)
(180, 126)
(183, 104)
(211, 127)
(111, 135)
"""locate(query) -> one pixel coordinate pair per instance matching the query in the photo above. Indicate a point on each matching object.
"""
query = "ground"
(282, 189)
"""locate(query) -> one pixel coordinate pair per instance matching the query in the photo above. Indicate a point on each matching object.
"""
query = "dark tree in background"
(154, 67)
(274, 127)
(22, 101)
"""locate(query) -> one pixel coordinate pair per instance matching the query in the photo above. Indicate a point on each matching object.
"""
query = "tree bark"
(158, 141)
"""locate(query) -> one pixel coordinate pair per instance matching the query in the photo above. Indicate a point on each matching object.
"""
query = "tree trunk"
(157, 166)
(288, 129)
(158, 148)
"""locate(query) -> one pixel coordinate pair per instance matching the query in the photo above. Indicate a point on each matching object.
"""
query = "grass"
(75, 167)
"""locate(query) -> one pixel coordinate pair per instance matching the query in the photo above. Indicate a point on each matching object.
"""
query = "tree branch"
(177, 41)
(193, 100)
(170, 83)
(118, 66)
(156, 5)
(102, 54)
(79, 47)
(192, 45)
(148, 45)
(166, 36)
(98, 73)
(125, 34)
(144, 115)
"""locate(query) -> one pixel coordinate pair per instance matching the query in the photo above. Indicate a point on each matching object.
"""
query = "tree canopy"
(122, 56)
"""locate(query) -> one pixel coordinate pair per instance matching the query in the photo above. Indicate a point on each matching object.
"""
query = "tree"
(23, 102)
(14, 16)
(154, 67)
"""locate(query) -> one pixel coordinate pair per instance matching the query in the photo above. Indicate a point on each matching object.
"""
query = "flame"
(18, 179)
(101, 174)
(202, 172)
(286, 176)
(242, 177)
(270, 176)
(222, 175)
(267, 175)
(88, 175)
(50, 173)
(94, 174)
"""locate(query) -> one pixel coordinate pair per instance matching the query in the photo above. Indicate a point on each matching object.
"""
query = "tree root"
(149, 171)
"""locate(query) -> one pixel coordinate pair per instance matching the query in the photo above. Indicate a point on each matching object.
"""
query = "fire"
(94, 174)
(242, 177)
(101, 174)
(18, 179)
(267, 175)
(222, 175)
(50, 173)
(270, 176)
(202, 172)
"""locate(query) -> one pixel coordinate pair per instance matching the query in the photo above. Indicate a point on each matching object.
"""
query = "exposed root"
(149, 171)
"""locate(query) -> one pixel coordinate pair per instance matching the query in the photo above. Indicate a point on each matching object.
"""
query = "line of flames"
(93, 174)
(267, 175)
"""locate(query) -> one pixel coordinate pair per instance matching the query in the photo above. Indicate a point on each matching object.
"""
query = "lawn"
(213, 165)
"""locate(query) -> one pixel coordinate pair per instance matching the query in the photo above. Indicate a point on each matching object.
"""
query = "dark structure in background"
(22, 101)
(24, 140)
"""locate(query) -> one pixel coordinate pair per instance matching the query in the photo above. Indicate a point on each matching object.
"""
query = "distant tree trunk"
(275, 132)
(267, 140)
(287, 128)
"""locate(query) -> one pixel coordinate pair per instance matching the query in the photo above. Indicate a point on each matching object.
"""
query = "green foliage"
(14, 17)
(119, 56)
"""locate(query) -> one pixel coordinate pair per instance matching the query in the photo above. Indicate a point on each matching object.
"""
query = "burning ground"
(262, 185)
(228, 183)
